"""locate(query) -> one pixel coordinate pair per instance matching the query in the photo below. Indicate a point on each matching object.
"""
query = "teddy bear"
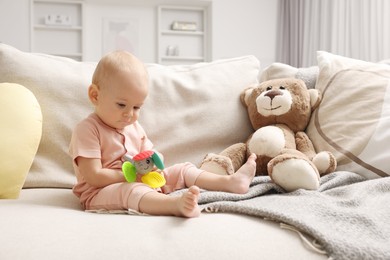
(279, 111)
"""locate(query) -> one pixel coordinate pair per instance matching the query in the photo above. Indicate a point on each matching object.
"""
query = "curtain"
(358, 29)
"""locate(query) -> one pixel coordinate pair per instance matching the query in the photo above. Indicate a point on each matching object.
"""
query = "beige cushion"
(20, 134)
(192, 109)
(353, 119)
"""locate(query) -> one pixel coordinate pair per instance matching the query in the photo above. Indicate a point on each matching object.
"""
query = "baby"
(100, 142)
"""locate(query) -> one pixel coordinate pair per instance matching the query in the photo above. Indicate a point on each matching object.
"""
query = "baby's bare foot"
(188, 203)
(243, 177)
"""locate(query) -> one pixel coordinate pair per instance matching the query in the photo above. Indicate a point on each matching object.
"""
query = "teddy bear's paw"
(217, 164)
(293, 174)
(325, 162)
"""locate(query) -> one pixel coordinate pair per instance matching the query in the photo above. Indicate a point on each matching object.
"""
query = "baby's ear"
(93, 93)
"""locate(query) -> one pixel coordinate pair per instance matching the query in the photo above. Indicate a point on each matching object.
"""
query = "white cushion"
(353, 119)
(280, 70)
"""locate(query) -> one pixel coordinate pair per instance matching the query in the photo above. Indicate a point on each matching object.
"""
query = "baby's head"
(119, 88)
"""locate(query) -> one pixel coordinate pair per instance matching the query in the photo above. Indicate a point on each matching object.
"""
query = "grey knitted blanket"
(348, 216)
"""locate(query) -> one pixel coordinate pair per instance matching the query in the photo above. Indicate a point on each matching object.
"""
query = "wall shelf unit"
(57, 28)
(182, 34)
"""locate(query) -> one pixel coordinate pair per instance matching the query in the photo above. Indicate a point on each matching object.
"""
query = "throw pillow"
(280, 70)
(195, 109)
(20, 134)
(353, 119)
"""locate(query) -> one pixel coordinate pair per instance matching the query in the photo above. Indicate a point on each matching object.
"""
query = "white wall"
(239, 27)
(15, 23)
(142, 17)
(242, 27)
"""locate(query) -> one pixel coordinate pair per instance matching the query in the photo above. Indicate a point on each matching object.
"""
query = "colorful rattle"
(143, 164)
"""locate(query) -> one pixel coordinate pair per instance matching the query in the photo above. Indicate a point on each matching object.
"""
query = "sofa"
(193, 110)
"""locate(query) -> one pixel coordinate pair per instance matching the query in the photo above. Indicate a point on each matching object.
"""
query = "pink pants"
(128, 195)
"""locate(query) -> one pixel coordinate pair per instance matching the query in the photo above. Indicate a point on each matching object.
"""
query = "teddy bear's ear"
(245, 94)
(315, 98)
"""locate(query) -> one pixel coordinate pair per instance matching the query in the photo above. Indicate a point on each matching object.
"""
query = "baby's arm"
(95, 175)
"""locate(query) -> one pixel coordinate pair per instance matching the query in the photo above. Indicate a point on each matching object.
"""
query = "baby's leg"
(236, 183)
(155, 203)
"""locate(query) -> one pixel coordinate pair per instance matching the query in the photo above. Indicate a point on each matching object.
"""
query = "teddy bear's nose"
(273, 93)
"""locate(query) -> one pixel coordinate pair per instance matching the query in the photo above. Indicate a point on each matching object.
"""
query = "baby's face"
(119, 103)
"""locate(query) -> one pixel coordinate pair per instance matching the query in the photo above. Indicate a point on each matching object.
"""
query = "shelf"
(173, 32)
(151, 2)
(61, 2)
(57, 27)
(182, 46)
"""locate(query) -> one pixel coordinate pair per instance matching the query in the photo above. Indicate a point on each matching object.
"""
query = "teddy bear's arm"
(324, 160)
(237, 153)
(305, 145)
(226, 162)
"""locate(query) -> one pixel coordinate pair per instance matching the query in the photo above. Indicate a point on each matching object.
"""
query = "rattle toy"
(143, 163)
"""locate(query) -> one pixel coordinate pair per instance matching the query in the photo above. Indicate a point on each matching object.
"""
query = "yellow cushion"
(20, 134)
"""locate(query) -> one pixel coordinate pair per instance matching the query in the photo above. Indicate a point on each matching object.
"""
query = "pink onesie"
(94, 139)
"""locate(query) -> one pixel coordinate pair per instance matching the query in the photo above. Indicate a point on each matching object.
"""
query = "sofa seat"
(50, 224)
